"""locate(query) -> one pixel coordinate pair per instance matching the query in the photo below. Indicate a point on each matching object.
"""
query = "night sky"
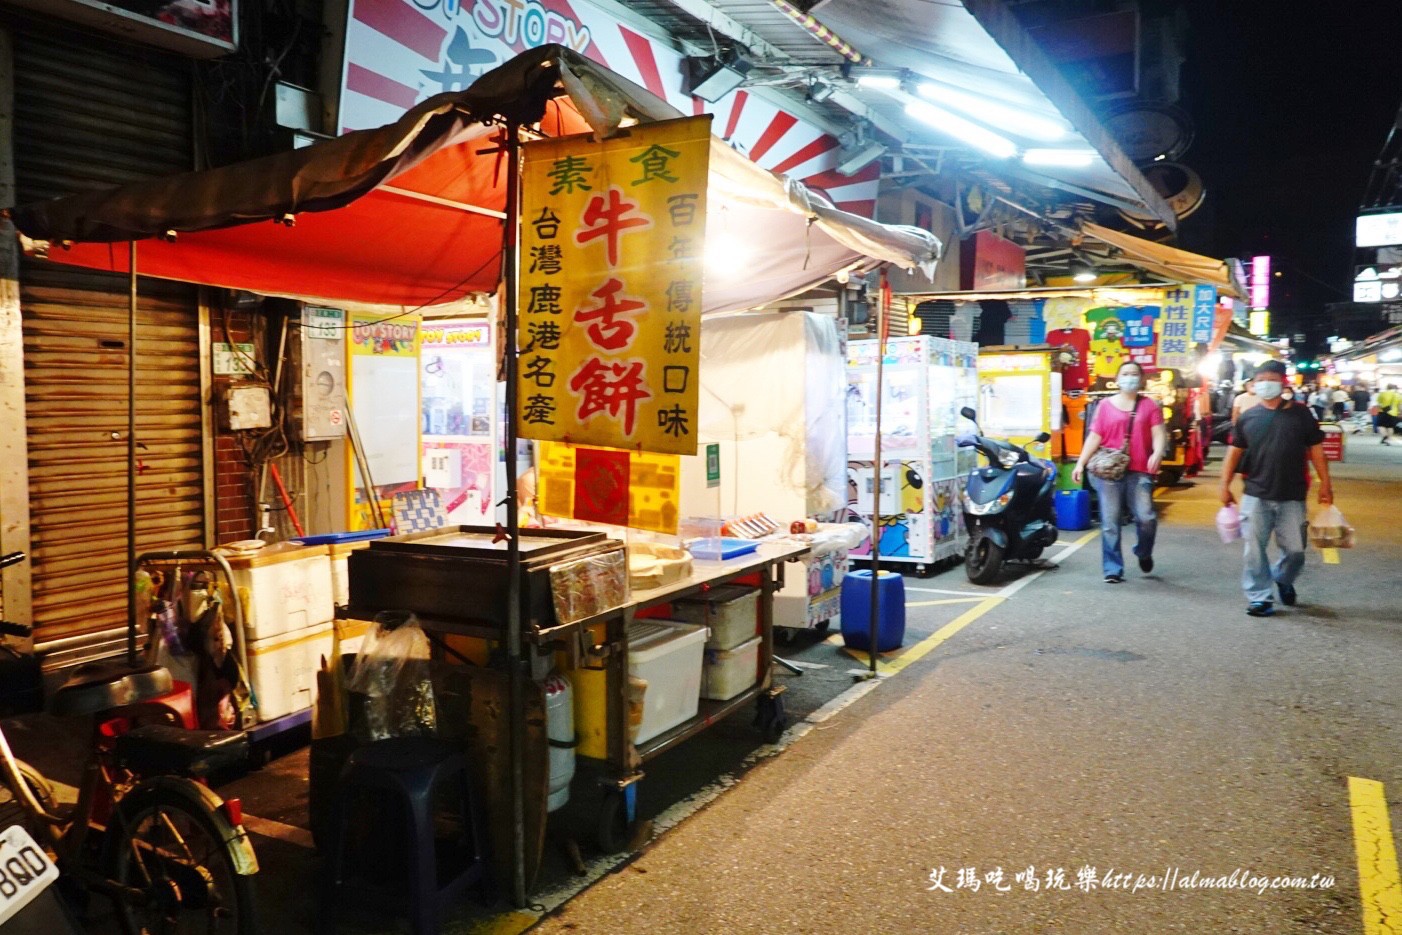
(1291, 110)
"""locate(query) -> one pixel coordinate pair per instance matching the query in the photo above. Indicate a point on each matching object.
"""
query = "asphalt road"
(1149, 729)
(1049, 729)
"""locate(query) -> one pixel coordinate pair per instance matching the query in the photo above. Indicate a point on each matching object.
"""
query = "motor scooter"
(1008, 506)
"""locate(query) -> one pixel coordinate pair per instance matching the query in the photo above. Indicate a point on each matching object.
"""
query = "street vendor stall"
(416, 213)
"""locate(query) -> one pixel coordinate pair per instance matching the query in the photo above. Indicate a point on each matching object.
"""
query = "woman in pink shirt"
(1136, 489)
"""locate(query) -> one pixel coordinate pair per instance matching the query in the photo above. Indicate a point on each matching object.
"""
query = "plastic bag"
(1229, 523)
(1329, 529)
(393, 679)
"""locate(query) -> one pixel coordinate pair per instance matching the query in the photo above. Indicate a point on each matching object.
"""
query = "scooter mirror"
(1042, 437)
(969, 414)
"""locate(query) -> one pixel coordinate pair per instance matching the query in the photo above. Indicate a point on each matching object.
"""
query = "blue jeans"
(1135, 491)
(1260, 518)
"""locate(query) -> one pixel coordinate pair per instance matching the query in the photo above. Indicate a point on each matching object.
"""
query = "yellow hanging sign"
(613, 233)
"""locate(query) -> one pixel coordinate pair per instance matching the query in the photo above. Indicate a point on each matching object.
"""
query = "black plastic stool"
(409, 769)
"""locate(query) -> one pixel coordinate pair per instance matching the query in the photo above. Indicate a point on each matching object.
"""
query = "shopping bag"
(1229, 523)
(1329, 530)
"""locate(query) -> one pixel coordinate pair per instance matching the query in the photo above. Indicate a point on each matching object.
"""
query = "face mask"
(1129, 384)
(1268, 389)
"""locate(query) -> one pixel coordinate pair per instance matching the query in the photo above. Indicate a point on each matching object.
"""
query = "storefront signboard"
(1176, 324)
(609, 331)
(1204, 314)
(400, 52)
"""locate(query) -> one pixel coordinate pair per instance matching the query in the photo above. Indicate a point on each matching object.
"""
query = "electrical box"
(319, 354)
(245, 406)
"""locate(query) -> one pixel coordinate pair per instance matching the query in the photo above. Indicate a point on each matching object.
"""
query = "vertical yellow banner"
(612, 238)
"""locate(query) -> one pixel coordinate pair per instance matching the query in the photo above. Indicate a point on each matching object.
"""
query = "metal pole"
(516, 720)
(876, 490)
(131, 454)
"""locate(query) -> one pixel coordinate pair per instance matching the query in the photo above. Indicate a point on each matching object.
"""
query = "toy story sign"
(610, 303)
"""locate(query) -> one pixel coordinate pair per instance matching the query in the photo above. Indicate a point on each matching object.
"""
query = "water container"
(1073, 509)
(856, 611)
(559, 727)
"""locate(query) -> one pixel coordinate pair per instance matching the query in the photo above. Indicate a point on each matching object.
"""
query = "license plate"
(25, 870)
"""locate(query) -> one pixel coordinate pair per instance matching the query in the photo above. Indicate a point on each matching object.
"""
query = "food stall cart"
(452, 580)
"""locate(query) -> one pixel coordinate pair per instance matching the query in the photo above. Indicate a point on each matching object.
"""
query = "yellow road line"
(923, 648)
(952, 600)
(508, 923)
(1378, 881)
(1331, 556)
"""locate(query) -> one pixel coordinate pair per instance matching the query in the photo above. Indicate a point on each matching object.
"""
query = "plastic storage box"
(282, 669)
(728, 672)
(668, 657)
(289, 588)
(731, 613)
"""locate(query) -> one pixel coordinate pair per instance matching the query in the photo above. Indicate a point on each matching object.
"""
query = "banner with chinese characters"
(609, 331)
(601, 485)
(1176, 330)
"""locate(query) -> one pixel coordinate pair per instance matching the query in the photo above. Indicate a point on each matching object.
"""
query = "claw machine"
(927, 380)
(1020, 395)
(458, 376)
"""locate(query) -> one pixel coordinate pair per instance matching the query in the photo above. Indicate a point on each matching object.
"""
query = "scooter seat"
(102, 686)
(163, 748)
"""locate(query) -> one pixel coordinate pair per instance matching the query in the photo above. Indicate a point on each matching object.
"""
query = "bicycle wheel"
(12, 810)
(170, 848)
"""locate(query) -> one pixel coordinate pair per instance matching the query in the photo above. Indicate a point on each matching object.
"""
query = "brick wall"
(234, 511)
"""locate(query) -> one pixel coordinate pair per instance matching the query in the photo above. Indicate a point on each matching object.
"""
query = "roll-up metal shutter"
(87, 115)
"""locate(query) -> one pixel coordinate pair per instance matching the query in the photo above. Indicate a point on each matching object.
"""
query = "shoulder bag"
(1112, 463)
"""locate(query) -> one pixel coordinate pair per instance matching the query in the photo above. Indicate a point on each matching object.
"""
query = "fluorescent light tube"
(1073, 158)
(885, 82)
(1006, 118)
(961, 129)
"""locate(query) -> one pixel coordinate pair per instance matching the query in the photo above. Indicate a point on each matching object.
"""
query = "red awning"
(410, 214)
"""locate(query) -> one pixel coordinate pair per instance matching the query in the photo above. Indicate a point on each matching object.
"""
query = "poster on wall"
(458, 386)
(384, 400)
(401, 52)
(610, 305)
(601, 485)
(1121, 333)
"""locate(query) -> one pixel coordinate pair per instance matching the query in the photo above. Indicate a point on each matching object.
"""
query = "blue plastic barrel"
(856, 611)
(1072, 509)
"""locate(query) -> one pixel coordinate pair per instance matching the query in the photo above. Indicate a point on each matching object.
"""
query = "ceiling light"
(1008, 118)
(1070, 158)
(1081, 272)
(713, 78)
(961, 129)
(883, 82)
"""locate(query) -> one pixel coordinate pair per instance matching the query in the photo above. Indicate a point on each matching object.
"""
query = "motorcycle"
(1008, 506)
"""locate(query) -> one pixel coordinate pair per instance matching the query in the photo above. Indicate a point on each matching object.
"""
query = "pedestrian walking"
(1133, 424)
(1273, 443)
(1319, 401)
(1339, 400)
(1360, 397)
(1389, 405)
